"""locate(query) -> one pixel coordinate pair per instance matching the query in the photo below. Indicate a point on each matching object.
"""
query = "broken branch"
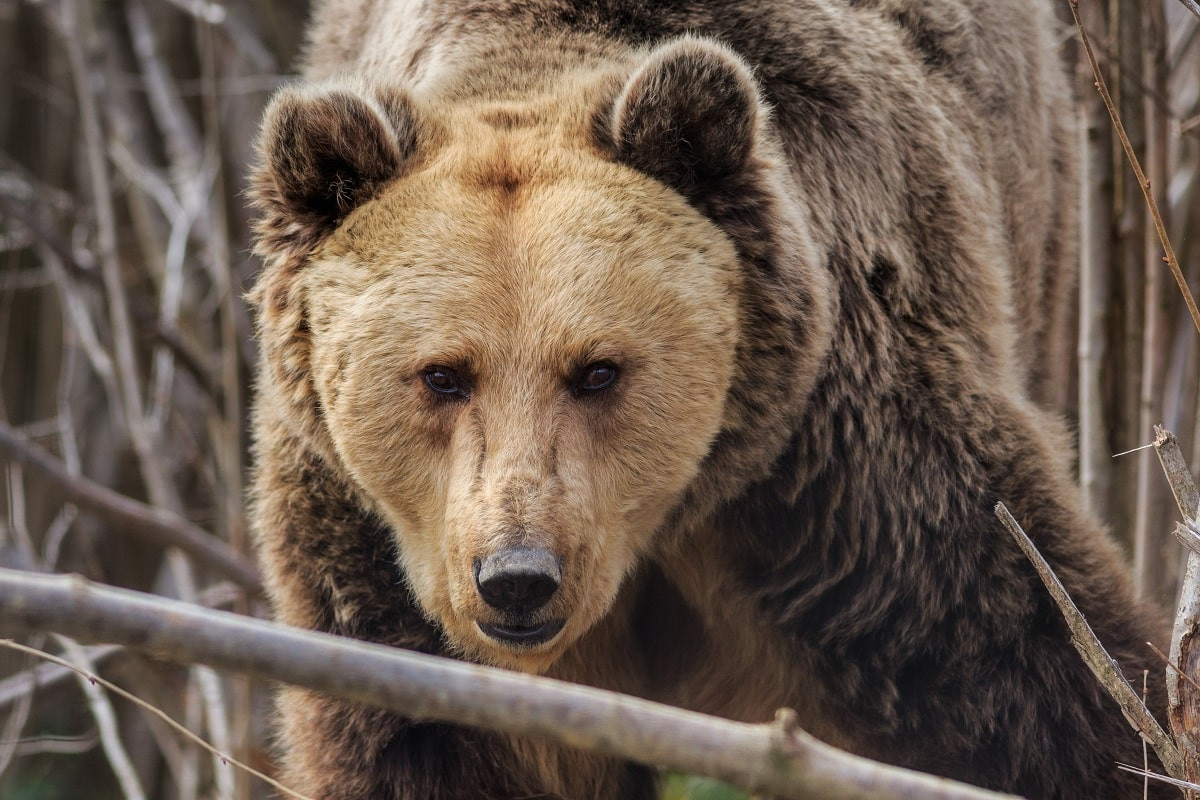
(1094, 655)
(777, 759)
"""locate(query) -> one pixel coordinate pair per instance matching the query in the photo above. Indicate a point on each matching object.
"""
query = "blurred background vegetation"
(126, 127)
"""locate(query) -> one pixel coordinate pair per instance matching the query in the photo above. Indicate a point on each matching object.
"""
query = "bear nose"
(519, 579)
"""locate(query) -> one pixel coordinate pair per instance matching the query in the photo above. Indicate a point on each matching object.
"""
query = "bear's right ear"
(688, 116)
(325, 152)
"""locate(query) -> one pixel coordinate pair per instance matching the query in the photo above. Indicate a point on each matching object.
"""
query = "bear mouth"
(522, 635)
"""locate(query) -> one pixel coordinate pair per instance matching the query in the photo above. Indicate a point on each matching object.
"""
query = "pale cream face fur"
(517, 259)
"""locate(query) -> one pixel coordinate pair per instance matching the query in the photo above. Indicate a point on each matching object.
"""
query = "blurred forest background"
(126, 127)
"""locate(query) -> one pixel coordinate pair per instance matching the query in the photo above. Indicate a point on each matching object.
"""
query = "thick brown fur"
(825, 246)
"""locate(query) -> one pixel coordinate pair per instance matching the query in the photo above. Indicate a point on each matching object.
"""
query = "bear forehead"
(517, 240)
(520, 210)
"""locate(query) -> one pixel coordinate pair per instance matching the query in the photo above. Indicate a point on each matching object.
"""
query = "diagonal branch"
(1143, 183)
(776, 759)
(1094, 655)
(138, 519)
(1183, 701)
(1183, 488)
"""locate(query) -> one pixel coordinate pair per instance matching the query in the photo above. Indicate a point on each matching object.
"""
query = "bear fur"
(739, 310)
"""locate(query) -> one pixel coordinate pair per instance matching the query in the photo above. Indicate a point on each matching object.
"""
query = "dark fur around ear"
(329, 151)
(688, 116)
(323, 151)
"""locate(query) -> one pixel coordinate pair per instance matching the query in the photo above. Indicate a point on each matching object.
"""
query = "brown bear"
(682, 349)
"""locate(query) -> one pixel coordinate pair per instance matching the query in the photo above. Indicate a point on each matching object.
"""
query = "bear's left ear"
(324, 152)
(688, 116)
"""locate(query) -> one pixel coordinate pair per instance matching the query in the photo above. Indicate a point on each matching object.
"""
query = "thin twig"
(1154, 776)
(1094, 655)
(102, 712)
(210, 695)
(186, 768)
(153, 471)
(17, 688)
(69, 444)
(775, 759)
(106, 226)
(1167, 662)
(1169, 257)
(56, 745)
(12, 729)
(79, 317)
(88, 677)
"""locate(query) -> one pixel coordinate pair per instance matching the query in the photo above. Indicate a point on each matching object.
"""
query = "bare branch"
(1147, 516)
(13, 727)
(1183, 701)
(1188, 535)
(179, 132)
(14, 689)
(1167, 662)
(1182, 486)
(91, 681)
(153, 524)
(106, 722)
(1172, 262)
(1107, 671)
(1154, 776)
(217, 721)
(247, 42)
(148, 323)
(20, 687)
(776, 759)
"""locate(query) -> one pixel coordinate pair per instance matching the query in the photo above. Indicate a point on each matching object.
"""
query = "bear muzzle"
(518, 582)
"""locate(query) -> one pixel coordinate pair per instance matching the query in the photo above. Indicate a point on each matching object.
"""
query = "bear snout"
(518, 580)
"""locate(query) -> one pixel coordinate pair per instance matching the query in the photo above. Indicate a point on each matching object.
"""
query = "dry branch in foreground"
(1094, 655)
(1183, 701)
(777, 759)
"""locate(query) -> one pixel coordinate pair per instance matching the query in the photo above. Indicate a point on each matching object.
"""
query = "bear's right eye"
(595, 378)
(444, 382)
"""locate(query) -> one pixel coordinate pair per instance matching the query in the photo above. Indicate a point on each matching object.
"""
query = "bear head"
(519, 326)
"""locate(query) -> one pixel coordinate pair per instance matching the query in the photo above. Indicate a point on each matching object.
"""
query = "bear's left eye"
(445, 382)
(596, 378)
